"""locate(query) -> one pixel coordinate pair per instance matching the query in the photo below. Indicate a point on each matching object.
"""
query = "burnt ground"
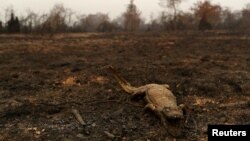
(42, 79)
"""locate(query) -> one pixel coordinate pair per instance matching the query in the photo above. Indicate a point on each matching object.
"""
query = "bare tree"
(207, 14)
(8, 12)
(56, 21)
(29, 22)
(68, 14)
(245, 18)
(1, 27)
(13, 24)
(118, 23)
(41, 24)
(173, 5)
(105, 25)
(94, 22)
(154, 24)
(132, 18)
(230, 20)
(185, 21)
(163, 19)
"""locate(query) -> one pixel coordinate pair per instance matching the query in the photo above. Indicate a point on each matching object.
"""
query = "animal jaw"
(173, 113)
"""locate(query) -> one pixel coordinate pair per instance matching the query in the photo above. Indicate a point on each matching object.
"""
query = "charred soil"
(42, 79)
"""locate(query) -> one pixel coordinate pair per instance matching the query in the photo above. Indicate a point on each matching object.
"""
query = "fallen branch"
(109, 135)
(78, 116)
(236, 104)
(90, 102)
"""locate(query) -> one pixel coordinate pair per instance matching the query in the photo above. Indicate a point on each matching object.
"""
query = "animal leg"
(163, 119)
(166, 86)
(138, 93)
(150, 106)
(182, 106)
(140, 90)
(159, 114)
(153, 108)
(186, 110)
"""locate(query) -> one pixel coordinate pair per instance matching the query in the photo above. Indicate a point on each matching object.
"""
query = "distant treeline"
(203, 16)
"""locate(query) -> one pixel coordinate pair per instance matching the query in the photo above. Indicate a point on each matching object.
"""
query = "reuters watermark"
(239, 132)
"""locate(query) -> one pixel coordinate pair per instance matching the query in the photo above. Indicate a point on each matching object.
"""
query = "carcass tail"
(123, 83)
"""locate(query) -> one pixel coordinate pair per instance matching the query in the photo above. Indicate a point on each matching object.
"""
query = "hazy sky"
(112, 7)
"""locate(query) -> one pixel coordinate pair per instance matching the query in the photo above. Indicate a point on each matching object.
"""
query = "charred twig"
(115, 101)
(109, 135)
(236, 104)
(90, 102)
(78, 116)
(81, 121)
